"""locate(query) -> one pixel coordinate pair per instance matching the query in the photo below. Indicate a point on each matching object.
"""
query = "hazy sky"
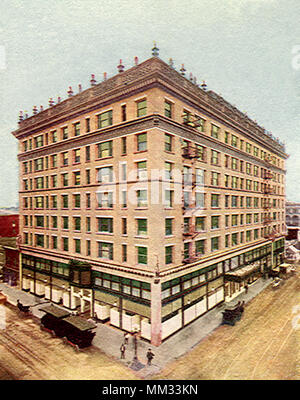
(246, 50)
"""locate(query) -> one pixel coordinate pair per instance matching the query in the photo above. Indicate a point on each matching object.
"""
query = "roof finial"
(35, 110)
(171, 62)
(21, 117)
(70, 91)
(204, 85)
(155, 50)
(104, 76)
(182, 70)
(136, 60)
(51, 102)
(93, 80)
(120, 67)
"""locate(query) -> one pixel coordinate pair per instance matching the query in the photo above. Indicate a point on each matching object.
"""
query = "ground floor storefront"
(155, 307)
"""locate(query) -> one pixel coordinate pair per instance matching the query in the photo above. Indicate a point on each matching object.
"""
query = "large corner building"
(146, 200)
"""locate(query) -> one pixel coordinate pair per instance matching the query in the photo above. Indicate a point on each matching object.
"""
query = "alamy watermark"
(2, 58)
(296, 57)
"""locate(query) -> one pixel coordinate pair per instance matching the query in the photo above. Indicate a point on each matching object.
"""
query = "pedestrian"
(150, 356)
(126, 338)
(246, 288)
(122, 349)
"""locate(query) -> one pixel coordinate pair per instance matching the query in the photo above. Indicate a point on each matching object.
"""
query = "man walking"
(122, 349)
(126, 338)
(150, 356)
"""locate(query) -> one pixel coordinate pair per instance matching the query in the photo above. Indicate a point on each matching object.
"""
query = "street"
(26, 352)
(262, 345)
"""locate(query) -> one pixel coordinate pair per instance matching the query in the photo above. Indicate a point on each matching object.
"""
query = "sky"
(246, 50)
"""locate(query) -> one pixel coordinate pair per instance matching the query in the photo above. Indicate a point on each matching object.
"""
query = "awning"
(55, 311)
(80, 323)
(240, 274)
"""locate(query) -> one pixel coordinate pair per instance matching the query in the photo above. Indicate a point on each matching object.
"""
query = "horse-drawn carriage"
(22, 308)
(231, 315)
(79, 332)
(53, 320)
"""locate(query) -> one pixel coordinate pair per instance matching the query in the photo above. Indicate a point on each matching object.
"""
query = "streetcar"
(79, 332)
(53, 320)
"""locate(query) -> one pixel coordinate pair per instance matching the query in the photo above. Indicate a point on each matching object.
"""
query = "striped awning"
(242, 273)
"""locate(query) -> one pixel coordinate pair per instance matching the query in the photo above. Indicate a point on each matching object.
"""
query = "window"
(214, 243)
(168, 226)
(200, 224)
(226, 181)
(141, 170)
(169, 254)
(65, 180)
(234, 220)
(248, 218)
(105, 250)
(234, 140)
(124, 199)
(54, 201)
(65, 222)
(105, 225)
(76, 178)
(88, 176)
(199, 200)
(38, 164)
(124, 145)
(87, 125)
(105, 174)
(187, 175)
(65, 133)
(142, 227)
(200, 247)
(87, 153)
(39, 240)
(200, 152)
(39, 183)
(76, 156)
(214, 157)
(124, 252)
(88, 224)
(200, 123)
(39, 221)
(168, 109)
(77, 223)
(105, 119)
(65, 158)
(248, 202)
(234, 201)
(215, 131)
(255, 151)
(141, 108)
(215, 222)
(124, 226)
(248, 168)
(77, 129)
(248, 184)
(77, 200)
(142, 198)
(142, 253)
(168, 142)
(39, 202)
(234, 163)
(123, 112)
(199, 176)
(234, 182)
(54, 136)
(39, 141)
(215, 200)
(142, 142)
(186, 250)
(226, 137)
(54, 242)
(105, 149)
(248, 236)
(186, 199)
(227, 237)
(168, 171)
(248, 147)
(105, 200)
(215, 178)
(77, 245)
(234, 239)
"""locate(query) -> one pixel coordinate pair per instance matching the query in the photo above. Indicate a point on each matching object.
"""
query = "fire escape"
(191, 153)
(269, 231)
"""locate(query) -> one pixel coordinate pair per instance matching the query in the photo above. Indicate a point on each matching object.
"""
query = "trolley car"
(53, 320)
(231, 315)
(79, 332)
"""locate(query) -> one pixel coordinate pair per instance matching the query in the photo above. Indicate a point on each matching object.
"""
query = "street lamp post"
(136, 365)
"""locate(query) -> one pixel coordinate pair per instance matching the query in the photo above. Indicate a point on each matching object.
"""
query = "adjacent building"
(9, 254)
(146, 200)
(292, 220)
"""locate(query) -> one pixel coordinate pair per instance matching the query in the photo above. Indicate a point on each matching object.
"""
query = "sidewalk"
(109, 339)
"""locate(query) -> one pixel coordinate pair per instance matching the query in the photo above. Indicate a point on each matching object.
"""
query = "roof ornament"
(79, 88)
(204, 85)
(191, 77)
(120, 67)
(21, 117)
(70, 91)
(155, 50)
(171, 62)
(136, 60)
(104, 76)
(93, 80)
(51, 102)
(34, 110)
(41, 108)
(58, 99)
(182, 70)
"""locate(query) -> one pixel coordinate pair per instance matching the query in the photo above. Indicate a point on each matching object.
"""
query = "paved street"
(262, 345)
(26, 352)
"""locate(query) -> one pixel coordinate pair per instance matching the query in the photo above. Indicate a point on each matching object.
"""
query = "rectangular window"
(65, 159)
(234, 141)
(142, 142)
(87, 125)
(214, 243)
(105, 200)
(124, 226)
(124, 252)
(168, 226)
(65, 222)
(105, 250)
(234, 239)
(105, 174)
(105, 225)
(65, 179)
(54, 136)
(142, 255)
(77, 223)
(169, 254)
(105, 119)
(215, 222)
(65, 133)
(124, 145)
(88, 200)
(199, 200)
(215, 200)
(141, 108)
(234, 201)
(76, 178)
(141, 170)
(54, 161)
(215, 179)
(88, 224)
(123, 112)
(200, 224)
(168, 109)
(39, 141)
(215, 131)
(77, 200)
(105, 149)
(77, 129)
(39, 240)
(168, 170)
(200, 247)
(142, 227)
(87, 153)
(168, 142)
(76, 156)
(142, 198)
(200, 152)
(214, 157)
